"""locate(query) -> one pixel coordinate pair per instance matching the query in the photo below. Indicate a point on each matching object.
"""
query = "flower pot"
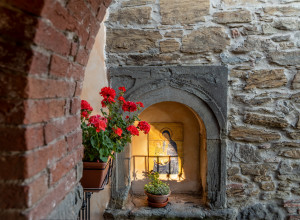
(95, 175)
(157, 201)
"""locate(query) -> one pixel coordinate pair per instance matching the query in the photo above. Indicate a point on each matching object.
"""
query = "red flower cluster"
(86, 109)
(118, 131)
(133, 130)
(140, 104)
(121, 98)
(122, 89)
(129, 106)
(86, 106)
(98, 122)
(108, 95)
(144, 126)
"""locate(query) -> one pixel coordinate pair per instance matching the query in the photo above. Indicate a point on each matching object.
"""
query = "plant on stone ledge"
(156, 186)
(103, 135)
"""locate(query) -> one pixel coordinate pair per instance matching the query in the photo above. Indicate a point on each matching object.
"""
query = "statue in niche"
(165, 147)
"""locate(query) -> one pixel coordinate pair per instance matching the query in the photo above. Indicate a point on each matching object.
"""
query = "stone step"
(181, 206)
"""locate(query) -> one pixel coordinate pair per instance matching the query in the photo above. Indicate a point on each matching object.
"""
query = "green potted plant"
(107, 134)
(157, 191)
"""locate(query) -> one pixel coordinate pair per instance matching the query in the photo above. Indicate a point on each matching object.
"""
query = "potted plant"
(107, 134)
(157, 191)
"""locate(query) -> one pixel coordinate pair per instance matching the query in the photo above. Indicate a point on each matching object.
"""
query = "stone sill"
(181, 206)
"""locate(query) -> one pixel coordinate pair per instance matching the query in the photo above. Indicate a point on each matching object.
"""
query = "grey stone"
(69, 207)
(296, 81)
(285, 168)
(230, 59)
(137, 3)
(281, 38)
(245, 154)
(232, 171)
(256, 119)
(268, 29)
(239, 16)
(286, 24)
(285, 58)
(257, 170)
(260, 211)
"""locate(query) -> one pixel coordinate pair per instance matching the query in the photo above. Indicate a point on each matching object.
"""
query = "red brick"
(83, 35)
(11, 111)
(82, 56)
(294, 217)
(62, 167)
(77, 72)
(23, 196)
(75, 106)
(101, 13)
(89, 45)
(78, 88)
(107, 2)
(59, 67)
(34, 136)
(32, 6)
(12, 215)
(59, 16)
(49, 88)
(53, 198)
(15, 57)
(43, 110)
(59, 128)
(17, 25)
(12, 167)
(12, 85)
(39, 65)
(78, 9)
(94, 5)
(51, 39)
(74, 140)
(94, 27)
(74, 48)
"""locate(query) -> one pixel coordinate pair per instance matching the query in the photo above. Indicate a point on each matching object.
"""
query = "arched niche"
(201, 89)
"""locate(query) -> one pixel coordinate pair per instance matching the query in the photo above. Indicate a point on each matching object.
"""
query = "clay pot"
(94, 175)
(157, 201)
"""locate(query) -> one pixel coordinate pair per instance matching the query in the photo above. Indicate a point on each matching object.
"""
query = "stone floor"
(181, 206)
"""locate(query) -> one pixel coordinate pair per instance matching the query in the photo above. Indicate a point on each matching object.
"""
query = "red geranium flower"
(140, 104)
(106, 101)
(144, 126)
(133, 130)
(118, 131)
(107, 92)
(84, 114)
(121, 98)
(98, 122)
(122, 89)
(86, 106)
(129, 107)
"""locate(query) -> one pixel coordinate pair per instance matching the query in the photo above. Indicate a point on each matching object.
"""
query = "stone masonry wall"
(259, 41)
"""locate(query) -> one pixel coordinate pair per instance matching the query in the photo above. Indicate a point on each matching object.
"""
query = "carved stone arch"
(202, 89)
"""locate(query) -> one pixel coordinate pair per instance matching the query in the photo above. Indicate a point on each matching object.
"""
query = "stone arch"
(189, 86)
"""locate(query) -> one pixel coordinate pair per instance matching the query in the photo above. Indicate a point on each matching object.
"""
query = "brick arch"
(44, 48)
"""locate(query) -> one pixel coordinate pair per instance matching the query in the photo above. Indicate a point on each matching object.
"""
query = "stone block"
(288, 24)
(137, 3)
(206, 39)
(174, 34)
(245, 154)
(260, 211)
(131, 40)
(296, 81)
(240, 2)
(294, 135)
(268, 186)
(294, 154)
(259, 179)
(287, 144)
(268, 121)
(253, 135)
(183, 11)
(233, 171)
(281, 38)
(257, 170)
(282, 11)
(168, 46)
(266, 79)
(127, 16)
(239, 16)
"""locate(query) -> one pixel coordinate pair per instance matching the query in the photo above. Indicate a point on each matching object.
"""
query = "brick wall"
(44, 47)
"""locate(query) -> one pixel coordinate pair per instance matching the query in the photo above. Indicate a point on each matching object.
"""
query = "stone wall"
(259, 42)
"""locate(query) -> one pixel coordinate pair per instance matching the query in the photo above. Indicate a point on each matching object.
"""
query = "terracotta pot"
(94, 174)
(157, 198)
(158, 205)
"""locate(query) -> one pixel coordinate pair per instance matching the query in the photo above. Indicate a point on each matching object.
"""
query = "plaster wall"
(170, 112)
(94, 79)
